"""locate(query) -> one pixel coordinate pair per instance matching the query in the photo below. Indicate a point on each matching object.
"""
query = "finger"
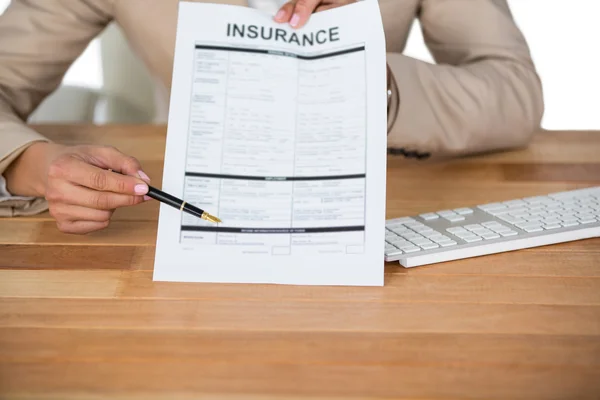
(336, 4)
(81, 227)
(326, 7)
(108, 157)
(68, 212)
(285, 12)
(64, 192)
(302, 12)
(81, 173)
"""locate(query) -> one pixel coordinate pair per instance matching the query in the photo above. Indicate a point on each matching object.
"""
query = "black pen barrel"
(174, 202)
(164, 197)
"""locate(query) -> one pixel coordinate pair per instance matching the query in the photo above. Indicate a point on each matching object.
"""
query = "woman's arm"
(482, 95)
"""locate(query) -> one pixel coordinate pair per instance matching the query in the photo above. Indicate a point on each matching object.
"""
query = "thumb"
(110, 158)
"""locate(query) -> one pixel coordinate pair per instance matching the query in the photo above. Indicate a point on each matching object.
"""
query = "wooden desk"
(81, 318)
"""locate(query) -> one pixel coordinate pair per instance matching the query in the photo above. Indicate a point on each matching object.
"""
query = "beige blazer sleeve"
(39, 40)
(482, 95)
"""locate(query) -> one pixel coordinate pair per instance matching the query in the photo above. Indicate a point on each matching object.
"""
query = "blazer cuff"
(14, 206)
(15, 138)
(399, 143)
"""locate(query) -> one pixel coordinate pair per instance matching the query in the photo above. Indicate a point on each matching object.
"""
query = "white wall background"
(564, 37)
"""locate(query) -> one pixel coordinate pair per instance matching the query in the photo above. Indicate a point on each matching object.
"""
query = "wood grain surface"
(81, 318)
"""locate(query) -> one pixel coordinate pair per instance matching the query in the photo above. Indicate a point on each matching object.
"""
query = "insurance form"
(281, 133)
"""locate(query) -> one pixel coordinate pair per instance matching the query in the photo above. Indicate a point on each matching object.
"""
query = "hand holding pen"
(81, 192)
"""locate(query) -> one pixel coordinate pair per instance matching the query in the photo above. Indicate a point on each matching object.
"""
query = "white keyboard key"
(441, 240)
(421, 228)
(512, 203)
(430, 246)
(472, 239)
(455, 218)
(429, 216)
(446, 213)
(463, 234)
(587, 221)
(395, 227)
(537, 207)
(570, 224)
(509, 233)
(490, 236)
(448, 243)
(522, 215)
(431, 235)
(466, 235)
(529, 225)
(498, 213)
(553, 226)
(412, 249)
(538, 212)
(535, 200)
(567, 215)
(519, 221)
(551, 221)
(491, 224)
(414, 224)
(473, 226)
(507, 218)
(463, 211)
(534, 218)
(551, 203)
(394, 253)
(456, 230)
(436, 236)
(586, 216)
(402, 220)
(492, 206)
(533, 229)
(421, 242)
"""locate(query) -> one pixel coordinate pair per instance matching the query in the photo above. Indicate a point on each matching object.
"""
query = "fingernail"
(295, 20)
(146, 198)
(143, 176)
(141, 189)
(279, 15)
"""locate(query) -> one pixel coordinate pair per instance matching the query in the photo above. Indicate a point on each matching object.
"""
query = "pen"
(179, 204)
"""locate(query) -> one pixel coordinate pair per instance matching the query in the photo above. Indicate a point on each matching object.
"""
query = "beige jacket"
(483, 94)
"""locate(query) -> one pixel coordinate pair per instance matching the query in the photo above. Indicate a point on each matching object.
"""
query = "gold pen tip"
(212, 218)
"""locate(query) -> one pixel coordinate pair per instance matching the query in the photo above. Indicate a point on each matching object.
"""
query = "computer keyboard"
(493, 228)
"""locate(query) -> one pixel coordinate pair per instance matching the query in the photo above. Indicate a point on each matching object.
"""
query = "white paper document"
(281, 133)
